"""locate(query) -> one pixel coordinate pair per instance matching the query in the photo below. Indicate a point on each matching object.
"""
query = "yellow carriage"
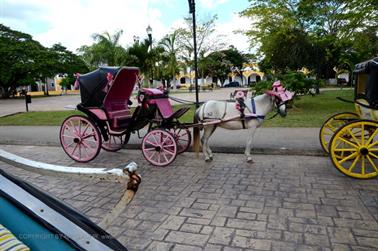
(351, 139)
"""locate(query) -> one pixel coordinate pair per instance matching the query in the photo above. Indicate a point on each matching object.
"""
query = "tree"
(69, 62)
(169, 55)
(141, 55)
(316, 34)
(207, 42)
(105, 51)
(218, 64)
(25, 61)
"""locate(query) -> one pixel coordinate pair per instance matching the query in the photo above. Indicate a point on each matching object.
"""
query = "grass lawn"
(307, 111)
(311, 111)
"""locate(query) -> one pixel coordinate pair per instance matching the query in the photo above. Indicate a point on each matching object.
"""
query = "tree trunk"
(2, 92)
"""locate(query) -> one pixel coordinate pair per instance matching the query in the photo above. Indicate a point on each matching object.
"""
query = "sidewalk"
(277, 202)
(285, 141)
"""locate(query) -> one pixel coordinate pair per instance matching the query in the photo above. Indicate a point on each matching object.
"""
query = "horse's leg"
(248, 146)
(208, 131)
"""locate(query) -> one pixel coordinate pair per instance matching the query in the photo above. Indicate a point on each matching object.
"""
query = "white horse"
(226, 115)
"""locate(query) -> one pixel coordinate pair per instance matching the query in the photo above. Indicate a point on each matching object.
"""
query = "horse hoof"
(209, 159)
(249, 160)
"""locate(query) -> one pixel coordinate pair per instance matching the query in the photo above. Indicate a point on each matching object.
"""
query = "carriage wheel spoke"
(354, 163)
(169, 145)
(156, 140)
(373, 155)
(179, 130)
(158, 157)
(348, 157)
(363, 165)
(362, 135)
(346, 150)
(74, 149)
(166, 150)
(333, 129)
(372, 163)
(372, 137)
(79, 150)
(152, 151)
(373, 144)
(69, 144)
(151, 143)
(166, 138)
(354, 137)
(88, 135)
(165, 157)
(74, 127)
(93, 141)
(85, 129)
(86, 145)
(327, 133)
(85, 148)
(80, 123)
(348, 142)
(68, 136)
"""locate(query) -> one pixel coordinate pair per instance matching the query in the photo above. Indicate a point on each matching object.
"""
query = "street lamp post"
(196, 132)
(149, 33)
(192, 10)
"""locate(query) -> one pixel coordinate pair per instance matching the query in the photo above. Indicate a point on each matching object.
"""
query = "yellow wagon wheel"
(354, 149)
(332, 124)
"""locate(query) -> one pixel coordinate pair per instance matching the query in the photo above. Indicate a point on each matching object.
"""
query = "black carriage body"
(92, 85)
(111, 101)
(366, 81)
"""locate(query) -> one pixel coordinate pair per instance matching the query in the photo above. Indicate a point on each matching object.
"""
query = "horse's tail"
(196, 131)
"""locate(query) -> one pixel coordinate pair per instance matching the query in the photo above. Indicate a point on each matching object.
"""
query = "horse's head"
(280, 106)
(280, 97)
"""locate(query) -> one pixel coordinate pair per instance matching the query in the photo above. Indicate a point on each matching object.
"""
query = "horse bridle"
(278, 102)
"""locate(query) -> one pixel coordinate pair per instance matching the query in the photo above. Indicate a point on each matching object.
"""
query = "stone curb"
(215, 149)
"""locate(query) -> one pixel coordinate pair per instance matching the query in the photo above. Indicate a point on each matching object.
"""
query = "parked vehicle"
(109, 121)
(350, 138)
(232, 84)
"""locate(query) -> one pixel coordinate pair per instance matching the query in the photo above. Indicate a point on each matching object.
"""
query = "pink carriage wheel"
(183, 138)
(115, 142)
(159, 147)
(80, 138)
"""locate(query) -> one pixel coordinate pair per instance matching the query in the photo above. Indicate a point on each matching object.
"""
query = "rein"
(183, 101)
(277, 111)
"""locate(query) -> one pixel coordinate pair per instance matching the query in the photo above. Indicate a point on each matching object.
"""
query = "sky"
(72, 22)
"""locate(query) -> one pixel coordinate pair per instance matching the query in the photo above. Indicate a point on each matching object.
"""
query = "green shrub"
(262, 86)
(293, 81)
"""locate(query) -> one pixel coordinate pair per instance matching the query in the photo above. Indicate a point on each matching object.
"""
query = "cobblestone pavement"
(276, 203)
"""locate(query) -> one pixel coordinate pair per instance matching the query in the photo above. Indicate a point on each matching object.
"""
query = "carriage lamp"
(136, 39)
(149, 33)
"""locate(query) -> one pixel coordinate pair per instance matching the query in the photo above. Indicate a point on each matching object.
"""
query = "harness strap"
(225, 109)
(253, 105)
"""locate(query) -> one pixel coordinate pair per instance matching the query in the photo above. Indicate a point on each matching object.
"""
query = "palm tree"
(105, 51)
(169, 45)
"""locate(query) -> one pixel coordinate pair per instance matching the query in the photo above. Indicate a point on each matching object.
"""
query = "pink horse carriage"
(109, 121)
